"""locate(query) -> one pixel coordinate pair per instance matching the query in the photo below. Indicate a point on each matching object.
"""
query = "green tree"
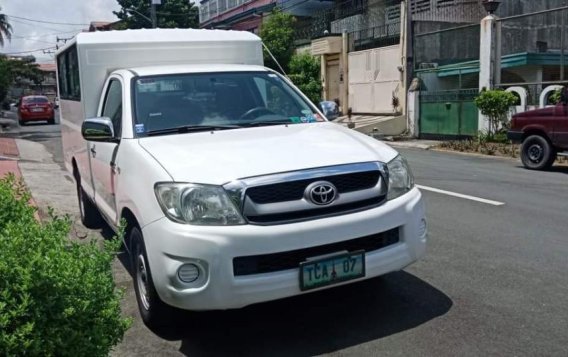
(134, 14)
(305, 73)
(277, 33)
(495, 105)
(17, 71)
(5, 29)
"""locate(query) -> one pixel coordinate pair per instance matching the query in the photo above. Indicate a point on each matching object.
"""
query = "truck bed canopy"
(100, 53)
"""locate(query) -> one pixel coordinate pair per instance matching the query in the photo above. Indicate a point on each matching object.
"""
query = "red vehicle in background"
(35, 108)
(543, 134)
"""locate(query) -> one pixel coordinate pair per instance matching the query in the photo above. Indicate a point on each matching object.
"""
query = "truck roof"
(195, 68)
(149, 36)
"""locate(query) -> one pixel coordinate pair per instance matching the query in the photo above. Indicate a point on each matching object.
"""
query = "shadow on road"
(554, 169)
(560, 169)
(316, 323)
(310, 324)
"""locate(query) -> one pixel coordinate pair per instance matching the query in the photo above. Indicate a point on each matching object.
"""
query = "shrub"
(555, 97)
(57, 297)
(495, 104)
(305, 73)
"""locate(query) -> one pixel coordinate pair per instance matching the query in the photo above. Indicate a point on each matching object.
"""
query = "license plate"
(35, 110)
(331, 270)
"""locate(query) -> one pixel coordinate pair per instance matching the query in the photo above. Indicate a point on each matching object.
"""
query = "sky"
(29, 34)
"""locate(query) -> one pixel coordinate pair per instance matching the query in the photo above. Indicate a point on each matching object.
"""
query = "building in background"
(247, 15)
(371, 50)
(533, 47)
(23, 86)
(48, 86)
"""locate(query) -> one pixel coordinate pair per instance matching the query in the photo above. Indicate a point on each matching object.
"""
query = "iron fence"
(534, 48)
(444, 45)
(379, 36)
(352, 16)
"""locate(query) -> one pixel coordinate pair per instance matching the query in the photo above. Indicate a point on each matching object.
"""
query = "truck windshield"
(225, 100)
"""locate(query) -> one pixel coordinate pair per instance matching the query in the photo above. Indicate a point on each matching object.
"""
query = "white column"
(489, 58)
(403, 58)
(413, 114)
(323, 73)
(344, 67)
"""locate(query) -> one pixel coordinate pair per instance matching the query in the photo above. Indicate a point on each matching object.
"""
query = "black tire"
(537, 153)
(90, 215)
(51, 121)
(154, 312)
(21, 122)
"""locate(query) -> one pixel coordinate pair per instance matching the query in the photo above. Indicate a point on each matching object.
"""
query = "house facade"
(248, 15)
(530, 50)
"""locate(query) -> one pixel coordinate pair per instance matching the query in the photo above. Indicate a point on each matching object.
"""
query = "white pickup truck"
(234, 186)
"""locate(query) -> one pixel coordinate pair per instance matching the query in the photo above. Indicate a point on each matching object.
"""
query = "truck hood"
(547, 111)
(222, 156)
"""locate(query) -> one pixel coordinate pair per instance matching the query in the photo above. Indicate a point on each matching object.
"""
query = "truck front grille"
(294, 216)
(294, 190)
(266, 263)
(286, 197)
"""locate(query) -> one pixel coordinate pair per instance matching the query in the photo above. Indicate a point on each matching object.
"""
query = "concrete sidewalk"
(9, 155)
(414, 144)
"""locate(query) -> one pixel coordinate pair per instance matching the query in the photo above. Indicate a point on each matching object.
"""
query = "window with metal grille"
(421, 6)
(442, 3)
(222, 5)
(392, 14)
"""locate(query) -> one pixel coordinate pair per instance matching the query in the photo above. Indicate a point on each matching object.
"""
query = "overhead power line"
(27, 39)
(30, 51)
(46, 22)
(36, 25)
(45, 35)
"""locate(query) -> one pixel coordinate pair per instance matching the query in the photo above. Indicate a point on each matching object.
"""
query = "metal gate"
(448, 114)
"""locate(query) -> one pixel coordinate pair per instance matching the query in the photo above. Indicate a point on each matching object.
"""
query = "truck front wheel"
(537, 153)
(154, 312)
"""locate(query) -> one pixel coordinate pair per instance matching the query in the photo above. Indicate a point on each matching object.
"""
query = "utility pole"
(153, 12)
(62, 39)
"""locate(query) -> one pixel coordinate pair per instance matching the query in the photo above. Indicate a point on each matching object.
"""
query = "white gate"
(374, 78)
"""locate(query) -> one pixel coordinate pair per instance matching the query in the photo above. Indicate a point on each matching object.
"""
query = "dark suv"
(543, 134)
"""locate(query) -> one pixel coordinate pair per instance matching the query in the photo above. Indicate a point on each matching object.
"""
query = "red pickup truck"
(543, 134)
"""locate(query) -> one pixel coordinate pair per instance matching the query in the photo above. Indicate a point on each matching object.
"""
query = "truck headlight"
(206, 205)
(400, 178)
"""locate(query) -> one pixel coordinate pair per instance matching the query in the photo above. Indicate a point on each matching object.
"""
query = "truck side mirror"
(98, 129)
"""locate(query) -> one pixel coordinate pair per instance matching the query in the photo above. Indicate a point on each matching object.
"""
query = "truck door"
(103, 154)
(561, 126)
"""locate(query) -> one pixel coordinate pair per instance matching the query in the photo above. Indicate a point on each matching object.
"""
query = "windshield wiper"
(190, 129)
(266, 123)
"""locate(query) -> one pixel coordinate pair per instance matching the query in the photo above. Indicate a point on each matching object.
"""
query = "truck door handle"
(93, 151)
(115, 169)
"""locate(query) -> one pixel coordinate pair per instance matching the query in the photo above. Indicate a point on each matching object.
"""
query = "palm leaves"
(5, 29)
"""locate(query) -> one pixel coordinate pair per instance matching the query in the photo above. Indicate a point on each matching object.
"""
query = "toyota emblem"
(321, 193)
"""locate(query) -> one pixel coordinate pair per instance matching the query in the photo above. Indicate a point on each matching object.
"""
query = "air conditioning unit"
(428, 65)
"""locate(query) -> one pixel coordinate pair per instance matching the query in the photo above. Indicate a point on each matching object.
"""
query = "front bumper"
(36, 116)
(515, 136)
(169, 245)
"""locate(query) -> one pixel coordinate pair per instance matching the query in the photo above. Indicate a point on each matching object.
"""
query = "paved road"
(41, 132)
(493, 283)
